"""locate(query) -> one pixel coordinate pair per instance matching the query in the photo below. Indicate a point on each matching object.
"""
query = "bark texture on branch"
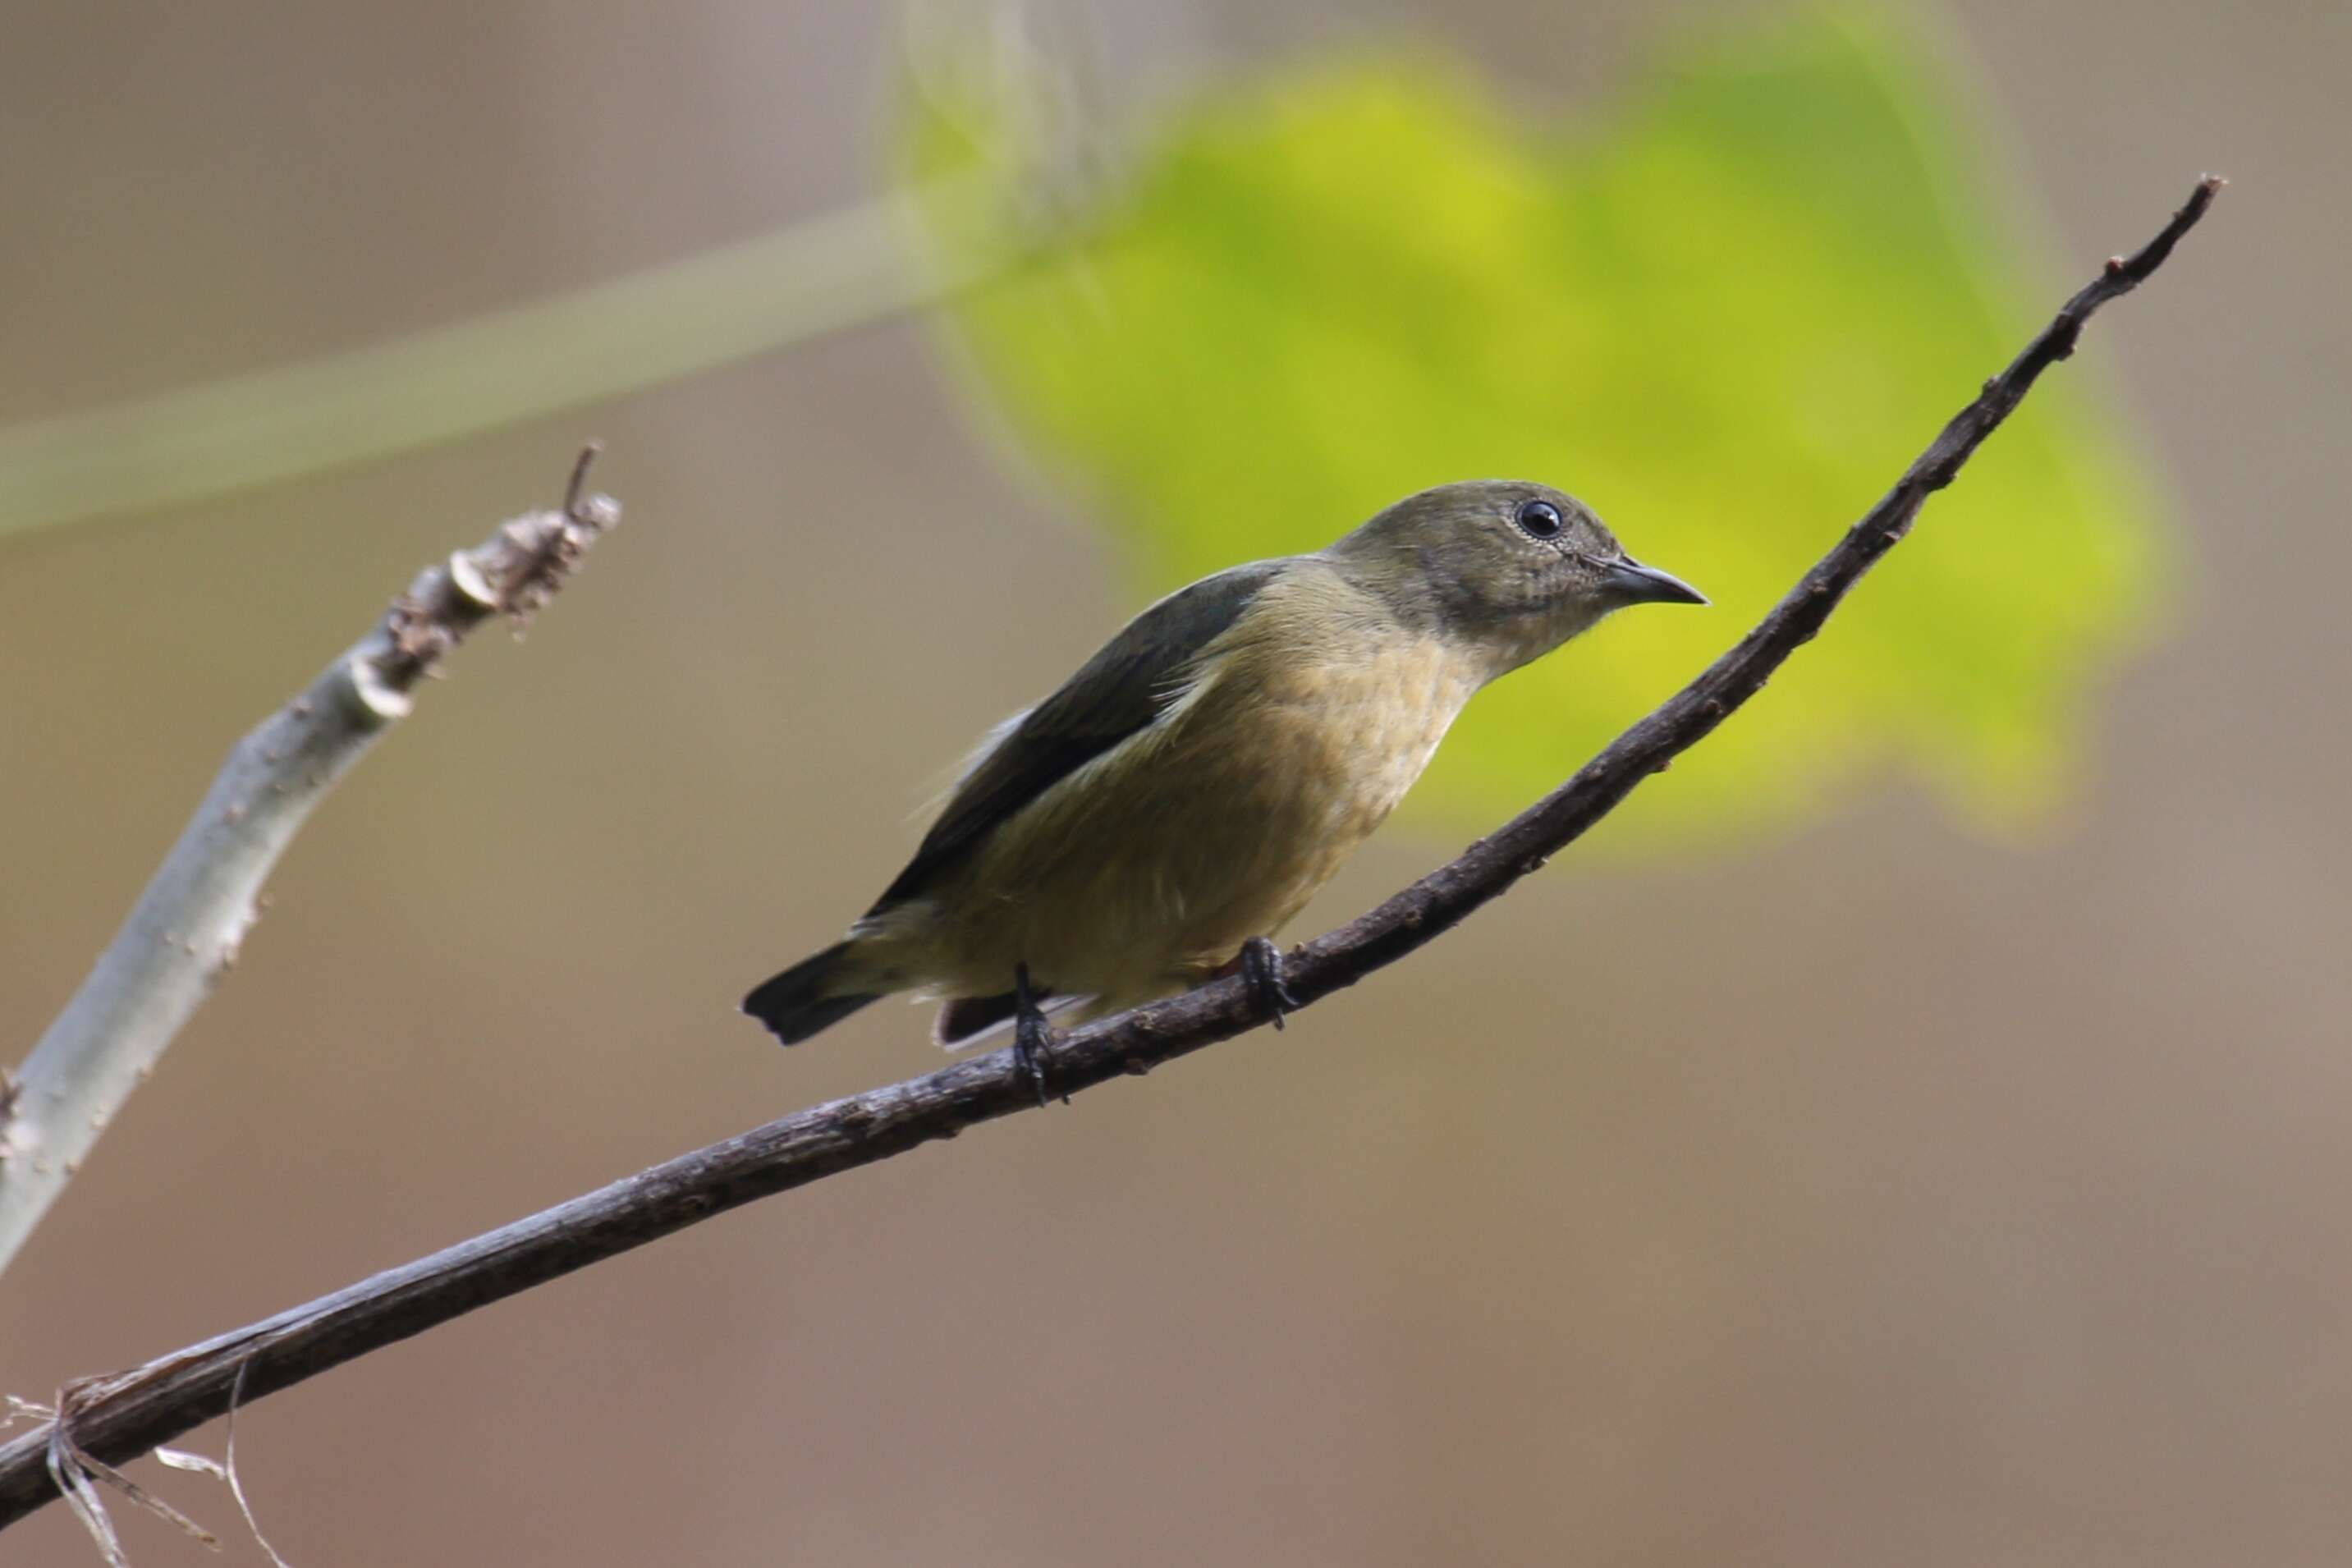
(183, 935)
(118, 1416)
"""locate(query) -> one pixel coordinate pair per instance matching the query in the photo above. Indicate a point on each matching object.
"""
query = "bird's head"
(1507, 567)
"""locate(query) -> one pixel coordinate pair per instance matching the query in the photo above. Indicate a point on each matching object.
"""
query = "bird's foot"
(1260, 965)
(1031, 1035)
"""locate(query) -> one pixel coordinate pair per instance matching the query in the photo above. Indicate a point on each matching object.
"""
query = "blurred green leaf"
(1726, 316)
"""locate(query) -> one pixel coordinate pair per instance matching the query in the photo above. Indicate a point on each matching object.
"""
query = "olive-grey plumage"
(1114, 694)
(1198, 778)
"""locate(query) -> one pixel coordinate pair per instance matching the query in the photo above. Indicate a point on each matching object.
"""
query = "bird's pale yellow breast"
(1358, 725)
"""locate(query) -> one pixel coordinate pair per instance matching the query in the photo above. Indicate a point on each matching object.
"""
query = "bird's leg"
(1260, 964)
(1031, 1035)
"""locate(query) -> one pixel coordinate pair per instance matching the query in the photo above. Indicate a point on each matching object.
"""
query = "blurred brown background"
(1877, 1196)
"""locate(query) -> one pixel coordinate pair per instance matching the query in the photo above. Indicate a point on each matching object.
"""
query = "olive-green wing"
(1118, 693)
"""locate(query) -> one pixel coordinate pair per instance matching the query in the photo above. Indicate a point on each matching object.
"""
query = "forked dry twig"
(183, 935)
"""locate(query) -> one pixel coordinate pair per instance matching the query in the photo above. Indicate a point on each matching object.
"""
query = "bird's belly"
(1152, 864)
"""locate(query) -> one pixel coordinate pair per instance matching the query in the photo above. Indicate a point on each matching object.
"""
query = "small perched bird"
(1153, 823)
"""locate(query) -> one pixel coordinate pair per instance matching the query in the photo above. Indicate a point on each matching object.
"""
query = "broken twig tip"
(574, 493)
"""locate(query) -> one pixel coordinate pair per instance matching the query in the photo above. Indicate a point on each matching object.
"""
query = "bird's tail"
(812, 995)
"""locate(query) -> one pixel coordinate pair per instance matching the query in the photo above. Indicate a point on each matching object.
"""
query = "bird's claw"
(1261, 970)
(1031, 1035)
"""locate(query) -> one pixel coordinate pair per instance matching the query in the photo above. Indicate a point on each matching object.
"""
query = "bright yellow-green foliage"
(1726, 314)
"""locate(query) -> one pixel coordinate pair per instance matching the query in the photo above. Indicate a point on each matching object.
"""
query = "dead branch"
(182, 937)
(120, 1417)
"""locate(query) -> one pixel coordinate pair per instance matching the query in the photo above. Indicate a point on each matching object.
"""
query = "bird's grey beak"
(1640, 584)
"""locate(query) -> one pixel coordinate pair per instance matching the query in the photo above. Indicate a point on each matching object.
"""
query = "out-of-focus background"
(1871, 1189)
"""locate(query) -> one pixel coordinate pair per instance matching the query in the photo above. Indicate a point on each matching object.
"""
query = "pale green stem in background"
(846, 269)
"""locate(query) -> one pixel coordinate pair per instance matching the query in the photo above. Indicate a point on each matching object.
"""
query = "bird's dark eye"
(1540, 519)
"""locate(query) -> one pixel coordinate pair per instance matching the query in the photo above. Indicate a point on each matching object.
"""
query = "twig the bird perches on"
(183, 935)
(118, 1416)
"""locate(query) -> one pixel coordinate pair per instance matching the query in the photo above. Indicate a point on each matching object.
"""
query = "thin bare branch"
(125, 1415)
(184, 933)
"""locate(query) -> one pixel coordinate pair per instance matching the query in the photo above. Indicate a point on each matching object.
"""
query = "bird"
(1157, 821)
